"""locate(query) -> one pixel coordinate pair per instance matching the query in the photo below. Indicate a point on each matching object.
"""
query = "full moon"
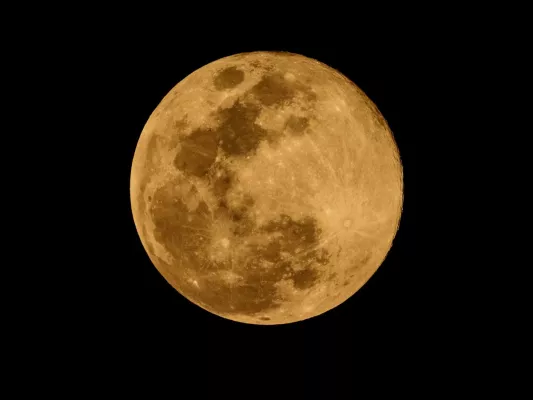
(266, 188)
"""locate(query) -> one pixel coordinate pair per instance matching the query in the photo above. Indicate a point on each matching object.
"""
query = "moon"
(266, 188)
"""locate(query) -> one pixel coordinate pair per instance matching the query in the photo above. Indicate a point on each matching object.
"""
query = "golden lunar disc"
(266, 188)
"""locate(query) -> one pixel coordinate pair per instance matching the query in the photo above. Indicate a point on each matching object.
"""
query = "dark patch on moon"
(297, 124)
(273, 89)
(239, 135)
(197, 153)
(310, 95)
(296, 236)
(298, 239)
(305, 278)
(176, 228)
(228, 78)
(243, 224)
(181, 123)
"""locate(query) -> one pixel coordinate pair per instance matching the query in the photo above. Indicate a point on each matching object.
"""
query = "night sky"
(126, 319)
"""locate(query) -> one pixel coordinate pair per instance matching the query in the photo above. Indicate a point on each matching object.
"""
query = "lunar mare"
(266, 188)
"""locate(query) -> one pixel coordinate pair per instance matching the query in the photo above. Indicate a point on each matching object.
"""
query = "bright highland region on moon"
(266, 188)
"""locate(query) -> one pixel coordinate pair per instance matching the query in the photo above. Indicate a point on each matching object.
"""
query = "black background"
(124, 320)
(92, 314)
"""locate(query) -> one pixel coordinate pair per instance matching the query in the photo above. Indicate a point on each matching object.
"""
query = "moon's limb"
(266, 188)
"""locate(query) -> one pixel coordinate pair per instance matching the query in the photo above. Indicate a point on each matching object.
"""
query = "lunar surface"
(266, 188)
